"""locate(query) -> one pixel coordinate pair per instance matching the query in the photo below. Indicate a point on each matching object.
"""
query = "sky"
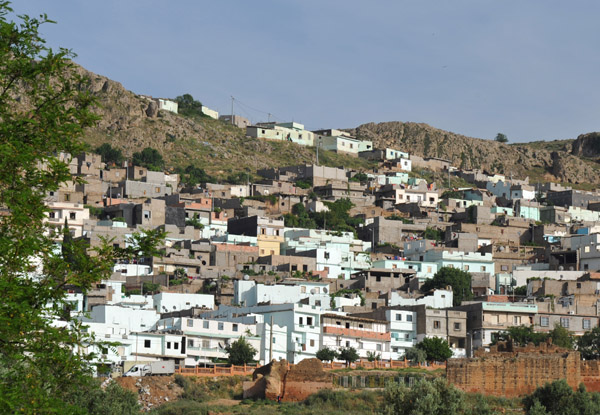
(527, 69)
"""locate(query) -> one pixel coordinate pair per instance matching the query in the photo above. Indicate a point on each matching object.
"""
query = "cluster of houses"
(230, 267)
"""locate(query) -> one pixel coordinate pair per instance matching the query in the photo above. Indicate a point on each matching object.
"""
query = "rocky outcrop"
(518, 160)
(587, 145)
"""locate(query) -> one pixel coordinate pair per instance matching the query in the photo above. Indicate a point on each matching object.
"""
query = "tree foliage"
(110, 154)
(188, 106)
(240, 352)
(436, 397)
(415, 355)
(558, 398)
(327, 355)
(192, 176)
(436, 349)
(348, 355)
(149, 158)
(589, 344)
(523, 335)
(459, 280)
(501, 138)
(44, 107)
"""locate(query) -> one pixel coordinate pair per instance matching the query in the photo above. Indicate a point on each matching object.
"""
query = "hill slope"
(131, 122)
(540, 160)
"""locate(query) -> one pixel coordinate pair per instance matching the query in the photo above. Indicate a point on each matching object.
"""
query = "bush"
(558, 398)
(435, 397)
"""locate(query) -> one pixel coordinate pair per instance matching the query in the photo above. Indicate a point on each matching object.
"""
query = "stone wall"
(512, 372)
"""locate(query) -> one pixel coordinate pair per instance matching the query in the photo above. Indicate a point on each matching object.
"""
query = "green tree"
(459, 280)
(501, 138)
(521, 336)
(436, 349)
(149, 158)
(240, 352)
(415, 355)
(436, 397)
(110, 154)
(562, 337)
(558, 398)
(589, 344)
(44, 108)
(193, 176)
(326, 354)
(188, 106)
(348, 355)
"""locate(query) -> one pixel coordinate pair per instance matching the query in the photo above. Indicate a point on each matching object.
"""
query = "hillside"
(553, 161)
(131, 122)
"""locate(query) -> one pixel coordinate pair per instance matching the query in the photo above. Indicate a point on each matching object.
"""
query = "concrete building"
(364, 334)
(486, 319)
(236, 120)
(74, 214)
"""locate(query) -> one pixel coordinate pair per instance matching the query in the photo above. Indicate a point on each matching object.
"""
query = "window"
(190, 322)
(147, 344)
(483, 268)
(67, 197)
(504, 268)
(301, 320)
(409, 317)
(205, 324)
(312, 343)
(347, 325)
(52, 215)
(168, 345)
(466, 267)
(326, 255)
(309, 321)
(175, 345)
(379, 347)
(586, 249)
(347, 343)
(398, 317)
(234, 327)
(157, 189)
(517, 319)
(436, 324)
(190, 343)
(221, 325)
(456, 326)
(587, 323)
(564, 322)
(302, 288)
(544, 321)
(338, 323)
(147, 214)
(72, 215)
(205, 344)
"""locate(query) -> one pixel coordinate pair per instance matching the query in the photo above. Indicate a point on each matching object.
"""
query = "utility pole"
(317, 154)
(232, 99)
(271, 342)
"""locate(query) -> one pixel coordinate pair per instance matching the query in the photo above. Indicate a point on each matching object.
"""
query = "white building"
(367, 336)
(168, 302)
(74, 213)
(249, 293)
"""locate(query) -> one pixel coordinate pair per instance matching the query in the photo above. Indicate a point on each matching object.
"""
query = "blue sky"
(528, 69)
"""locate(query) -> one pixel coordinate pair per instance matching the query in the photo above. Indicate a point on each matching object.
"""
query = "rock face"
(491, 156)
(587, 145)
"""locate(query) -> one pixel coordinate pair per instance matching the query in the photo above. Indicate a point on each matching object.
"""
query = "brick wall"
(515, 372)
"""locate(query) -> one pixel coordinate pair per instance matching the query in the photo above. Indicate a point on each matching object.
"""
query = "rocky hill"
(132, 122)
(554, 161)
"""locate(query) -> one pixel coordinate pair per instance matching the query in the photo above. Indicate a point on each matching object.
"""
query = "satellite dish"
(313, 291)
(246, 277)
(325, 290)
(561, 268)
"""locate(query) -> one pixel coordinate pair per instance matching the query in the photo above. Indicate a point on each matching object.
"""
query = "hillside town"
(311, 257)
